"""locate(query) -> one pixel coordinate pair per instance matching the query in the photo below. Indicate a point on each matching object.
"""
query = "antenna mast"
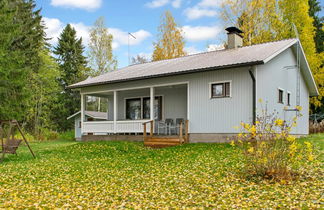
(298, 67)
(129, 34)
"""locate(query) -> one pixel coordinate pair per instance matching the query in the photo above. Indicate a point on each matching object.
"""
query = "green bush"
(67, 135)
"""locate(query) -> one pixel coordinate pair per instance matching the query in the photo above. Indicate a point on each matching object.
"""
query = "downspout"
(253, 96)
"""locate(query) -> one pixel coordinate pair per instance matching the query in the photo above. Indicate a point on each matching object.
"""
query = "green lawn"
(125, 174)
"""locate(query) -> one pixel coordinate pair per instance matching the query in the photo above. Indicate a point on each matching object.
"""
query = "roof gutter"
(168, 74)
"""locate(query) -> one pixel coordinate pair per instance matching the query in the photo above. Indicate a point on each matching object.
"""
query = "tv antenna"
(298, 66)
(129, 35)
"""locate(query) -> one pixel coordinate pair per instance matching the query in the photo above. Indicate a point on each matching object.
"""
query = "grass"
(68, 174)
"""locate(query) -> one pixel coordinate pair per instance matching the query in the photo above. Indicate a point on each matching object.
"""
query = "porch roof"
(93, 114)
(221, 59)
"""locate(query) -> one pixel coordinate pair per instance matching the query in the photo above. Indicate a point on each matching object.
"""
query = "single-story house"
(212, 91)
(89, 116)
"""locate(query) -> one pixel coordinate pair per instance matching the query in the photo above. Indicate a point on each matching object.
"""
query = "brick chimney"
(234, 38)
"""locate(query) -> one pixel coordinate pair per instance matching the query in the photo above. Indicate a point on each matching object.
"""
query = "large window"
(139, 108)
(157, 108)
(133, 109)
(219, 90)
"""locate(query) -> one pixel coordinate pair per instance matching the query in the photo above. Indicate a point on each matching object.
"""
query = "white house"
(214, 91)
(89, 116)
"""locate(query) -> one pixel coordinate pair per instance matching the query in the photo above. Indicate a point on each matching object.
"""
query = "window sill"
(215, 97)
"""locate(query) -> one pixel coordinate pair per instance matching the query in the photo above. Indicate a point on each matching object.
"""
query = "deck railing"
(123, 126)
(183, 130)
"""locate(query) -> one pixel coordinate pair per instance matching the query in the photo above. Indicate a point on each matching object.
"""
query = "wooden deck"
(161, 141)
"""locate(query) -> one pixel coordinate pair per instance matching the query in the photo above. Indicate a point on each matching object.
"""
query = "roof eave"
(169, 74)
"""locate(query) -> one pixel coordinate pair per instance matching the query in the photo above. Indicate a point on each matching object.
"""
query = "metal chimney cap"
(234, 30)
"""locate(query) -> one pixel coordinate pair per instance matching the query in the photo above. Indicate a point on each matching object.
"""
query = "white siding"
(274, 75)
(206, 115)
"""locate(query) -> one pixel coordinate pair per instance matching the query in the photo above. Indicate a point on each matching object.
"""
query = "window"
(133, 109)
(139, 108)
(288, 99)
(219, 90)
(280, 96)
(157, 108)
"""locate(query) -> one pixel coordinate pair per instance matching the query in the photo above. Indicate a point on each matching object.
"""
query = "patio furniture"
(11, 144)
(161, 125)
(171, 126)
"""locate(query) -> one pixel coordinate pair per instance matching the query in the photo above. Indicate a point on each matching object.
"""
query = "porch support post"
(82, 111)
(115, 111)
(152, 109)
(151, 103)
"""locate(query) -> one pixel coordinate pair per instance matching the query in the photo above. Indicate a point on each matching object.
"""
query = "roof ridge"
(206, 52)
(269, 42)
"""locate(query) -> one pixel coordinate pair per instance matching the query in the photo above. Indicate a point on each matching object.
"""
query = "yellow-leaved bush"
(269, 149)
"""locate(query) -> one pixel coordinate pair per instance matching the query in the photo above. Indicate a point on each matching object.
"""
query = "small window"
(219, 90)
(280, 96)
(288, 99)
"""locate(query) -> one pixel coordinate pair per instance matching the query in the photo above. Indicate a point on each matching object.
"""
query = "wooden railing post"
(151, 128)
(144, 132)
(181, 131)
(187, 130)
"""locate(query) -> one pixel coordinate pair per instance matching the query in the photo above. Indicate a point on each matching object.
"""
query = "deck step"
(155, 144)
(164, 140)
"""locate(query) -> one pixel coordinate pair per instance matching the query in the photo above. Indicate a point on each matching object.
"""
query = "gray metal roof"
(248, 55)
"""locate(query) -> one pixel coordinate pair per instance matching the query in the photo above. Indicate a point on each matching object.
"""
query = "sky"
(202, 26)
(201, 22)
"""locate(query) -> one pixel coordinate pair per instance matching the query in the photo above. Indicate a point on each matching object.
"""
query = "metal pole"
(129, 34)
(22, 134)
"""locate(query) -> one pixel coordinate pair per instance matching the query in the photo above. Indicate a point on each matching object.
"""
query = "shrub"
(67, 135)
(270, 151)
(43, 135)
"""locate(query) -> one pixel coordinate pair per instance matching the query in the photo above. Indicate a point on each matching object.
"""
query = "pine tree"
(22, 38)
(171, 42)
(100, 49)
(73, 68)
(314, 11)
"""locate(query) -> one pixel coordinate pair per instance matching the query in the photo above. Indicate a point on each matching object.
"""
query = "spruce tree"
(314, 11)
(21, 39)
(73, 67)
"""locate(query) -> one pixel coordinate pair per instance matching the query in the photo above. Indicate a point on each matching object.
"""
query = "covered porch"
(129, 111)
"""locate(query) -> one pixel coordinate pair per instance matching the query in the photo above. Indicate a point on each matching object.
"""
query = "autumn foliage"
(170, 42)
(270, 151)
(271, 20)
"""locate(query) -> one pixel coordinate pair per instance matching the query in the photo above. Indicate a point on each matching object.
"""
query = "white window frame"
(219, 82)
(278, 96)
(142, 111)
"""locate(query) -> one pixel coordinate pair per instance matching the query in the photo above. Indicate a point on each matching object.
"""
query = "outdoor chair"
(171, 126)
(161, 125)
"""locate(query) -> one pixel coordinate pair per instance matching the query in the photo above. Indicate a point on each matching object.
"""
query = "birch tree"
(101, 55)
(170, 42)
